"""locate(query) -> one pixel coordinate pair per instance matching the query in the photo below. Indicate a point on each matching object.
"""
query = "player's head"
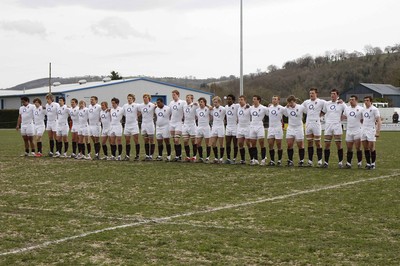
(334, 95)
(368, 101)
(175, 95)
(275, 100)
(313, 93)
(24, 101)
(291, 100)
(189, 98)
(353, 100)
(74, 102)
(146, 98)
(230, 99)
(104, 106)
(256, 99)
(93, 100)
(37, 102)
(202, 102)
(216, 101)
(61, 100)
(49, 98)
(242, 100)
(131, 98)
(114, 102)
(160, 103)
(82, 104)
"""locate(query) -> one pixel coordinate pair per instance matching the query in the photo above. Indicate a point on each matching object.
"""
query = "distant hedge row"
(8, 118)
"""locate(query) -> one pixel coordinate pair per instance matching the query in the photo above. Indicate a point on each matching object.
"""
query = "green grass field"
(64, 211)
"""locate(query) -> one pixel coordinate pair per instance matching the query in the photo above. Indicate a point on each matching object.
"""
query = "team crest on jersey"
(114, 114)
(273, 112)
(241, 112)
(311, 107)
(293, 113)
(175, 107)
(161, 114)
(201, 114)
(129, 110)
(352, 113)
(332, 107)
(255, 113)
(230, 112)
(144, 110)
(103, 116)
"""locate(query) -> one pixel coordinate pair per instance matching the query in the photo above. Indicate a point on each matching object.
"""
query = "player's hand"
(377, 134)
(17, 128)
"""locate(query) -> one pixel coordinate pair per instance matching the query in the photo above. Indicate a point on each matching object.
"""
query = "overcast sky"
(180, 38)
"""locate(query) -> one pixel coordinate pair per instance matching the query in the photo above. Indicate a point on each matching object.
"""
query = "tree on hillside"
(115, 75)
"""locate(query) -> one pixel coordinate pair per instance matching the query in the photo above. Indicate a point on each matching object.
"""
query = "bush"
(8, 118)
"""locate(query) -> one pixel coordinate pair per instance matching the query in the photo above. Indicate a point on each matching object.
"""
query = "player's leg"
(127, 145)
(290, 152)
(357, 144)
(137, 145)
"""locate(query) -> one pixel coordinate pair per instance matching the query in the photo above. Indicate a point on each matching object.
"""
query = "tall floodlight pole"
(241, 47)
(49, 77)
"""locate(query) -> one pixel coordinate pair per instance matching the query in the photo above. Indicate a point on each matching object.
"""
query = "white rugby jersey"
(275, 114)
(147, 111)
(203, 116)
(370, 115)
(313, 110)
(333, 111)
(51, 111)
(190, 114)
(62, 115)
(38, 116)
(105, 118)
(163, 115)
(295, 115)
(232, 115)
(177, 110)
(257, 115)
(244, 116)
(27, 113)
(94, 114)
(218, 116)
(74, 114)
(131, 114)
(116, 115)
(354, 117)
(83, 116)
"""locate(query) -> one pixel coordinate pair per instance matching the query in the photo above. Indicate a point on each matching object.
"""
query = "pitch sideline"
(211, 210)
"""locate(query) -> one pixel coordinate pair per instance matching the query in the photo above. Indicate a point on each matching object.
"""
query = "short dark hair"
(202, 99)
(368, 97)
(291, 98)
(232, 97)
(354, 96)
(94, 97)
(116, 100)
(335, 90)
(314, 89)
(258, 97)
(25, 99)
(74, 100)
(161, 100)
(61, 98)
(37, 100)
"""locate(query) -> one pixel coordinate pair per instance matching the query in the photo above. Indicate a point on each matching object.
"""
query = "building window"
(2, 104)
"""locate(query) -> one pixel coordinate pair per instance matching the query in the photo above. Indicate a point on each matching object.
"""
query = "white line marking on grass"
(211, 210)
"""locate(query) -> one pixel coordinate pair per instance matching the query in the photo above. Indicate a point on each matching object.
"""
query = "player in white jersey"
(38, 119)
(275, 131)
(314, 107)
(333, 111)
(74, 114)
(163, 114)
(371, 129)
(257, 131)
(83, 130)
(189, 127)
(295, 130)
(353, 114)
(51, 126)
(231, 128)
(105, 118)
(177, 109)
(26, 125)
(115, 133)
(131, 110)
(218, 129)
(243, 127)
(147, 109)
(203, 130)
(95, 124)
(63, 112)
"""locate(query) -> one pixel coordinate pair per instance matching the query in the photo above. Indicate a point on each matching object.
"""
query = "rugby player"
(231, 110)
(74, 114)
(115, 133)
(105, 118)
(203, 130)
(177, 109)
(314, 107)
(83, 130)
(26, 125)
(353, 113)
(257, 131)
(94, 125)
(147, 109)
(371, 129)
(218, 129)
(62, 128)
(131, 126)
(189, 128)
(333, 111)
(295, 130)
(38, 119)
(275, 131)
(163, 114)
(243, 127)
(51, 126)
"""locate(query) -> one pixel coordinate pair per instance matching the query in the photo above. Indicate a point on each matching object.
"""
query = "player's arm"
(18, 122)
(378, 126)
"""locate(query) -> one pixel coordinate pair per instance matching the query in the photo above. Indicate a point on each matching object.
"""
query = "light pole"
(241, 47)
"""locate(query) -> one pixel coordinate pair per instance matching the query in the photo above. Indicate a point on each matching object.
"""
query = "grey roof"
(385, 89)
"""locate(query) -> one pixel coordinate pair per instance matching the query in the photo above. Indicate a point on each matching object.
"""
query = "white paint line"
(211, 210)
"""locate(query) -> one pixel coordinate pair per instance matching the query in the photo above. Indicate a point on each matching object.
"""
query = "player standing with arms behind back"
(177, 109)
(25, 124)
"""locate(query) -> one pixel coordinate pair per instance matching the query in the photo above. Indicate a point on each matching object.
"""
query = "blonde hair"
(217, 98)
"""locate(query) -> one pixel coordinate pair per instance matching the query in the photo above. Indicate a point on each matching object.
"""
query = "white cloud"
(25, 26)
(118, 27)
